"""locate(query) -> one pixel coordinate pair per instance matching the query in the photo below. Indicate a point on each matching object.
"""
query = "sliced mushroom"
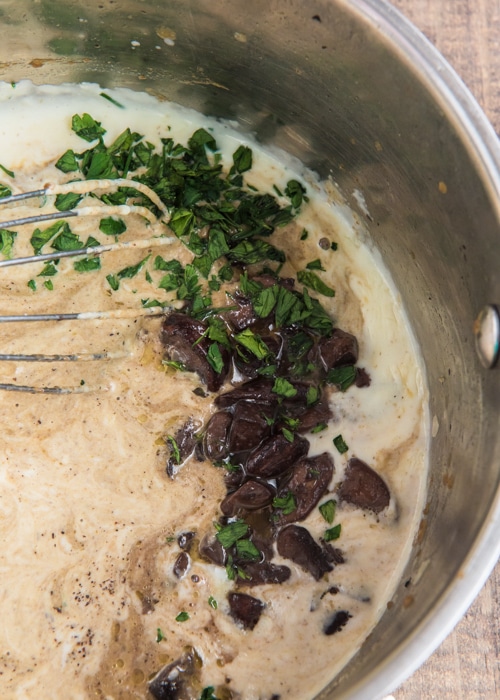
(314, 416)
(252, 495)
(211, 550)
(248, 428)
(275, 456)
(363, 487)
(245, 609)
(308, 483)
(297, 544)
(173, 681)
(243, 316)
(184, 341)
(185, 440)
(181, 565)
(215, 445)
(257, 573)
(336, 622)
(256, 390)
(338, 350)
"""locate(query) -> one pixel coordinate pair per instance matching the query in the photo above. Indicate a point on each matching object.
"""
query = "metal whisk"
(80, 187)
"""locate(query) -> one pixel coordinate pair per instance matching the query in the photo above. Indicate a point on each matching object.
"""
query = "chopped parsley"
(182, 617)
(212, 602)
(230, 534)
(342, 377)
(327, 510)
(332, 533)
(340, 444)
(159, 635)
(287, 503)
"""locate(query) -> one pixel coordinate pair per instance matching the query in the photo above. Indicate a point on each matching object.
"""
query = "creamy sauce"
(88, 516)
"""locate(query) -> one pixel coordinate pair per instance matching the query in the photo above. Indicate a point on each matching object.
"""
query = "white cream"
(87, 513)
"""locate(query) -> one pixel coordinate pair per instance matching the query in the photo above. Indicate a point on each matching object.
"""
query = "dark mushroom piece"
(363, 487)
(336, 622)
(186, 441)
(252, 495)
(297, 544)
(256, 390)
(215, 445)
(339, 350)
(248, 428)
(275, 456)
(182, 338)
(245, 609)
(258, 573)
(243, 316)
(173, 681)
(181, 565)
(309, 481)
(314, 416)
(211, 550)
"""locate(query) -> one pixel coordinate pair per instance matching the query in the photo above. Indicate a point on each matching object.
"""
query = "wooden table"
(467, 665)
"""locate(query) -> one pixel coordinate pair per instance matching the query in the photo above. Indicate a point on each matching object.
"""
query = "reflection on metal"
(487, 333)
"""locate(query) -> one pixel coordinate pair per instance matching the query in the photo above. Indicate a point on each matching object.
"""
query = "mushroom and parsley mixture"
(227, 516)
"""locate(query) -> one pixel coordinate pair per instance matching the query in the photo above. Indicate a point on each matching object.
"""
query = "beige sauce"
(88, 517)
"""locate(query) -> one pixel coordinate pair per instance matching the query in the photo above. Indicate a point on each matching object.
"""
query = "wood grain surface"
(467, 665)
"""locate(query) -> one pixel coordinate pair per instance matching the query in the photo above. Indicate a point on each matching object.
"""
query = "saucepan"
(356, 93)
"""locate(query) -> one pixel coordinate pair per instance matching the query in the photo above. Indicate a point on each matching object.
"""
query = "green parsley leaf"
(150, 303)
(287, 503)
(315, 265)
(333, 533)
(159, 635)
(282, 387)
(86, 127)
(65, 202)
(101, 167)
(327, 510)
(132, 270)
(212, 602)
(48, 284)
(288, 434)
(247, 550)
(8, 172)
(201, 139)
(110, 99)
(295, 192)
(113, 282)
(231, 533)
(311, 280)
(342, 377)
(340, 444)
(49, 270)
(67, 240)
(214, 358)
(168, 265)
(217, 244)
(304, 234)
(39, 238)
(7, 239)
(112, 226)
(334, 246)
(242, 159)
(312, 395)
(318, 428)
(265, 301)
(174, 449)
(255, 251)
(182, 222)
(182, 617)
(87, 264)
(67, 163)
(32, 285)
(253, 343)
(208, 693)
